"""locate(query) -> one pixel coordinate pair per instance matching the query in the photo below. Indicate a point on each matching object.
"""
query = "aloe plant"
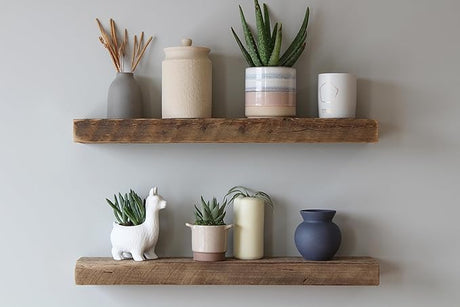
(129, 210)
(211, 213)
(264, 49)
(240, 191)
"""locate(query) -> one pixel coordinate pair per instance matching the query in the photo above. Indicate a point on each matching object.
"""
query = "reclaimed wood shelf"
(345, 271)
(222, 130)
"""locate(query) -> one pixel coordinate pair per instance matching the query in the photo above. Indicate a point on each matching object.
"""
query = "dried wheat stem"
(123, 49)
(141, 43)
(142, 53)
(110, 52)
(134, 52)
(114, 33)
(107, 44)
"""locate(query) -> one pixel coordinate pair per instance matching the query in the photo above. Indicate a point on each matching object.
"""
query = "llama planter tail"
(138, 242)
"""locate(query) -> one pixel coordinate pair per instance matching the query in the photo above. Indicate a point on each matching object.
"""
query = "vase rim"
(211, 226)
(318, 210)
(318, 214)
(336, 74)
(271, 68)
(125, 73)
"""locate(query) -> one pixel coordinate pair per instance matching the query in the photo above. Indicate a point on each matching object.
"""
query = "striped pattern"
(270, 79)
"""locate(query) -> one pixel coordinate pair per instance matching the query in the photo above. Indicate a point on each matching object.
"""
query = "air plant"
(240, 191)
(211, 213)
(118, 49)
(264, 50)
(129, 210)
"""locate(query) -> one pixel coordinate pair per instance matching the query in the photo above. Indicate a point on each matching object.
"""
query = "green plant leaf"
(263, 37)
(274, 58)
(113, 206)
(250, 42)
(198, 212)
(243, 50)
(129, 209)
(266, 20)
(265, 197)
(210, 212)
(273, 37)
(295, 56)
(298, 40)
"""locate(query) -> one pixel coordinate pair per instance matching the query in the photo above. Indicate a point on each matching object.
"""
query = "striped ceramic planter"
(270, 91)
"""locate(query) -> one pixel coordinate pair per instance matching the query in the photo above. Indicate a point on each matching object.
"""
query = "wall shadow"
(227, 86)
(151, 94)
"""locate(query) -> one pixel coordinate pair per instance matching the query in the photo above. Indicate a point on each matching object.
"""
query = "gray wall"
(397, 200)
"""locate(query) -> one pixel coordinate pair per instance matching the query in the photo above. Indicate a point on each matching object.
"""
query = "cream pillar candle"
(248, 231)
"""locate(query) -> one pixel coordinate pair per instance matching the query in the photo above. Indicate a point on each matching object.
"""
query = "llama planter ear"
(138, 242)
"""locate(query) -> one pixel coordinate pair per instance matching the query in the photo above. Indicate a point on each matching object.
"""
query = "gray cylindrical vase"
(125, 98)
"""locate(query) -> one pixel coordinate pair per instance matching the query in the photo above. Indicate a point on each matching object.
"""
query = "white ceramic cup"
(336, 95)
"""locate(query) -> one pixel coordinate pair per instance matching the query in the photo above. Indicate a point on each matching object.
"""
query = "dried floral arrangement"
(118, 49)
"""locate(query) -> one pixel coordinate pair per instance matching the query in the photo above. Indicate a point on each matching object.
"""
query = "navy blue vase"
(317, 237)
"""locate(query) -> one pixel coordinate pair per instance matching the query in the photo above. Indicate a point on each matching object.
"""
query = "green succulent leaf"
(115, 208)
(267, 51)
(211, 212)
(298, 40)
(266, 19)
(250, 42)
(291, 61)
(274, 58)
(273, 37)
(263, 37)
(243, 50)
(128, 209)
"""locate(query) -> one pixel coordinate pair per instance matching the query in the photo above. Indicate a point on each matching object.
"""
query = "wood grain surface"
(268, 271)
(220, 130)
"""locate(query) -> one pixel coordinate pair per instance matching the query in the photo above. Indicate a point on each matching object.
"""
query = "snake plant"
(264, 48)
(211, 213)
(129, 210)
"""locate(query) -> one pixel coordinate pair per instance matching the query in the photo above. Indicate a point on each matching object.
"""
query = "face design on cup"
(328, 92)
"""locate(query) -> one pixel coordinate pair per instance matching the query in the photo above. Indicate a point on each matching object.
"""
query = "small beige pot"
(209, 243)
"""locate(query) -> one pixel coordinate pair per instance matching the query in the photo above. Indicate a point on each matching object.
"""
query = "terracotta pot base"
(208, 256)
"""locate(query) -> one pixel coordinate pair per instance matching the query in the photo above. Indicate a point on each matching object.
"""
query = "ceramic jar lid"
(186, 51)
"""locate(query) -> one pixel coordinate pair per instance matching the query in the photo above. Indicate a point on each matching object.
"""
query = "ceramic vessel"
(186, 82)
(138, 242)
(209, 243)
(336, 95)
(270, 91)
(248, 230)
(317, 237)
(125, 98)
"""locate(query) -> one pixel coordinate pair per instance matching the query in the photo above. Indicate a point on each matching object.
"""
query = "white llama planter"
(138, 242)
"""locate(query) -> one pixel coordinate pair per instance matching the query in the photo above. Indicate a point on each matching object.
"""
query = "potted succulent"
(209, 233)
(135, 234)
(270, 79)
(248, 219)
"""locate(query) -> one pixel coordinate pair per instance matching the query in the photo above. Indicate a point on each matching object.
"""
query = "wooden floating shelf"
(345, 271)
(220, 130)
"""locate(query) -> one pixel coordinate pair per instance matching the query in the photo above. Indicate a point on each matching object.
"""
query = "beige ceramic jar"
(186, 82)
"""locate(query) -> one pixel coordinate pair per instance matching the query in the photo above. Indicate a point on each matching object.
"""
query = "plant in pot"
(135, 233)
(248, 221)
(270, 79)
(209, 233)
